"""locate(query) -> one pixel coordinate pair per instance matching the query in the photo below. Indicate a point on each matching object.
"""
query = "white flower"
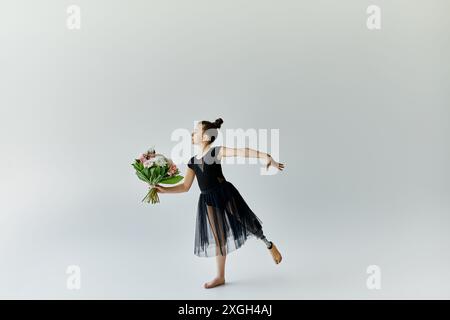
(160, 160)
(151, 150)
(149, 163)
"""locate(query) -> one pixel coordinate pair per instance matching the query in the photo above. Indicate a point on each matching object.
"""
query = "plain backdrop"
(363, 117)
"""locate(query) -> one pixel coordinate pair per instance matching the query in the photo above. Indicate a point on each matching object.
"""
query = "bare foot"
(217, 281)
(276, 255)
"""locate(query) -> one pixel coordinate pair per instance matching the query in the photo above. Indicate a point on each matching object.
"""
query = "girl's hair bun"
(218, 123)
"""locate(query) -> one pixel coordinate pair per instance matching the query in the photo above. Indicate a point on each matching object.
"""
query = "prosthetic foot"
(276, 255)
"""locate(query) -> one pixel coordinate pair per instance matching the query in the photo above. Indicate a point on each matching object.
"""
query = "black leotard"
(208, 169)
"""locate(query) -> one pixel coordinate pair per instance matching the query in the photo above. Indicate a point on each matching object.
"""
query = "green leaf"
(155, 174)
(138, 166)
(152, 172)
(147, 172)
(172, 180)
(163, 171)
(142, 176)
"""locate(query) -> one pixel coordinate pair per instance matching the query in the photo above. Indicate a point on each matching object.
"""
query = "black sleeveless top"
(208, 169)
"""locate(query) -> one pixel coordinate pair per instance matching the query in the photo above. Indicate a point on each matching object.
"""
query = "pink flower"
(172, 169)
(147, 155)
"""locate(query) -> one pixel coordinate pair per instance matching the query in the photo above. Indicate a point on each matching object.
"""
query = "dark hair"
(210, 128)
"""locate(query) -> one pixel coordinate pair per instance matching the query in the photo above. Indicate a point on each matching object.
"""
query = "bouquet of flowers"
(153, 169)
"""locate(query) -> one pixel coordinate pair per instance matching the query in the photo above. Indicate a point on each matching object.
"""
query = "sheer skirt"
(224, 221)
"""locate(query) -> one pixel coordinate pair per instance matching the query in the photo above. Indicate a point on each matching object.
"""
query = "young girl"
(224, 220)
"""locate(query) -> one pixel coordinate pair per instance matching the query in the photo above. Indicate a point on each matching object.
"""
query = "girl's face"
(197, 135)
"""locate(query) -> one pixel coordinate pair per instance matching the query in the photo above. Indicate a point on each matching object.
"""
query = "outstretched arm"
(182, 187)
(249, 153)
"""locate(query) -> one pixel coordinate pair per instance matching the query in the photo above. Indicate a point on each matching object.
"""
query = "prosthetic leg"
(276, 255)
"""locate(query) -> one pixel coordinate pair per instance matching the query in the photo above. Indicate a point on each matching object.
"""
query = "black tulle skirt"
(224, 221)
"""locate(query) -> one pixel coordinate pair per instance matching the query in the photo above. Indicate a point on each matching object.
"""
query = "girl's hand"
(160, 189)
(275, 164)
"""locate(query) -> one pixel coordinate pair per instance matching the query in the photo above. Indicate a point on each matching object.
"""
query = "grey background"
(364, 133)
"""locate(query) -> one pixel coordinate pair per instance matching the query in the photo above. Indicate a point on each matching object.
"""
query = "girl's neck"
(204, 150)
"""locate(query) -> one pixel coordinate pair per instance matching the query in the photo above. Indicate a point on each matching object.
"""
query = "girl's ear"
(205, 138)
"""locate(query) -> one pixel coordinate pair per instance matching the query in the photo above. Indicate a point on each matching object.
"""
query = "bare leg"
(221, 255)
(220, 278)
